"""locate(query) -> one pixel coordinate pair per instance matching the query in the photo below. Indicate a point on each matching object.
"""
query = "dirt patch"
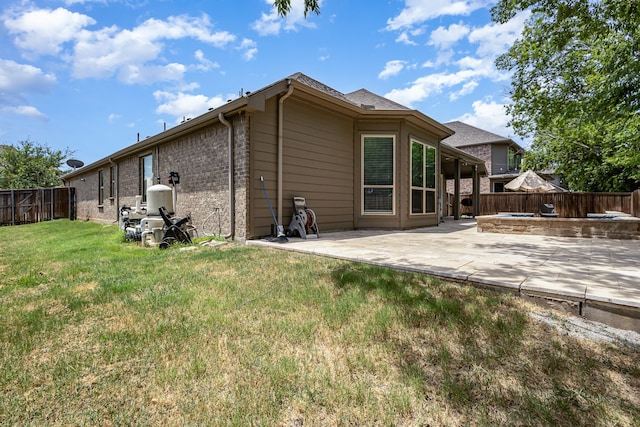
(589, 330)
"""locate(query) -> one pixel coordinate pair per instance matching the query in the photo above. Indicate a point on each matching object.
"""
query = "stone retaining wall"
(604, 228)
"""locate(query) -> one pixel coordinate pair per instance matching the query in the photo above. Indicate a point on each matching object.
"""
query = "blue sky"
(91, 75)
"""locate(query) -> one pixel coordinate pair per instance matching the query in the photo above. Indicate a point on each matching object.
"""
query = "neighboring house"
(360, 160)
(502, 156)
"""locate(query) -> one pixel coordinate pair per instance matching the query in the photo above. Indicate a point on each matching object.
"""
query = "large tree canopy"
(575, 89)
(284, 7)
(30, 165)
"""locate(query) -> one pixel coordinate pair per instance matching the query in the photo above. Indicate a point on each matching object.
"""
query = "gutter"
(281, 145)
(232, 207)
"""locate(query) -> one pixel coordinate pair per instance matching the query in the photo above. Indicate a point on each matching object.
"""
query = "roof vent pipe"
(281, 145)
(232, 207)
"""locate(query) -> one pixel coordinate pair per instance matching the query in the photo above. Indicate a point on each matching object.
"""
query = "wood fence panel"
(36, 205)
(567, 205)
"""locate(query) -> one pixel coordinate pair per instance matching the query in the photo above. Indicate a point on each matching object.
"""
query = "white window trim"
(362, 186)
(142, 175)
(101, 187)
(434, 190)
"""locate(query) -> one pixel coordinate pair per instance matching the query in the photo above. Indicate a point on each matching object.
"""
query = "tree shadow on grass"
(478, 353)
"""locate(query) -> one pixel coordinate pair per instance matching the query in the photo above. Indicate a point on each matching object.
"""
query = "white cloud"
(418, 11)
(23, 78)
(471, 70)
(392, 68)
(250, 49)
(44, 31)
(405, 38)
(204, 63)
(271, 23)
(113, 117)
(467, 89)
(183, 105)
(488, 115)
(444, 38)
(494, 39)
(468, 72)
(24, 110)
(268, 24)
(72, 2)
(109, 51)
(133, 55)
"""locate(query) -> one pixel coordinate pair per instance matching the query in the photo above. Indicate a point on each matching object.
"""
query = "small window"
(378, 174)
(423, 178)
(146, 175)
(100, 187)
(112, 182)
(498, 187)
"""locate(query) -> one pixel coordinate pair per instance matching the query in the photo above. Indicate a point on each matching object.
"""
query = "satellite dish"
(75, 163)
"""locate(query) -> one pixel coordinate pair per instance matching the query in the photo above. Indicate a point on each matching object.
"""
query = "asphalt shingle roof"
(303, 78)
(361, 98)
(367, 99)
(466, 135)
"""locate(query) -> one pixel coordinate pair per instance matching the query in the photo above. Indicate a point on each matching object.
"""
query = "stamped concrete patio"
(596, 278)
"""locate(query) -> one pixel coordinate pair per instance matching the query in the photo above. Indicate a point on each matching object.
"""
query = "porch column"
(476, 192)
(456, 189)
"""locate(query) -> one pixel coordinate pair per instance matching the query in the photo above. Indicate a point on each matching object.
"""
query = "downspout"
(232, 208)
(280, 146)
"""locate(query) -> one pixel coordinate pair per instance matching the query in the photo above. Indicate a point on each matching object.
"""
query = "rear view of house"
(359, 160)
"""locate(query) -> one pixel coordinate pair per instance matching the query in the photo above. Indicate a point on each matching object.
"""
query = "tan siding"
(318, 165)
(262, 162)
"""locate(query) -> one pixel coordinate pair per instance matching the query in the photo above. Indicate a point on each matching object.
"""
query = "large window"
(146, 175)
(423, 178)
(101, 187)
(378, 174)
(514, 160)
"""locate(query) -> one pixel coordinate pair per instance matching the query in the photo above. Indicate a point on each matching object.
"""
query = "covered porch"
(455, 165)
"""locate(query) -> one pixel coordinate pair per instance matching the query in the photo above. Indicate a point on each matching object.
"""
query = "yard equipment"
(303, 222)
(175, 229)
(280, 236)
(153, 224)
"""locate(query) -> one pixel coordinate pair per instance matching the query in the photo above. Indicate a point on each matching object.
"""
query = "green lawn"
(96, 331)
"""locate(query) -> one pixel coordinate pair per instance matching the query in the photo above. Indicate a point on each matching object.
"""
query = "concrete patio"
(595, 278)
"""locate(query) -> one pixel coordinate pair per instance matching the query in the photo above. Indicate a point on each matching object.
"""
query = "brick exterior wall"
(482, 152)
(201, 159)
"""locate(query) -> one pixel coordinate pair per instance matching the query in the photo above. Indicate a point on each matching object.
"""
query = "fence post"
(41, 215)
(13, 208)
(635, 203)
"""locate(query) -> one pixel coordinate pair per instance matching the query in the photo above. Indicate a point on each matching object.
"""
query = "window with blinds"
(378, 172)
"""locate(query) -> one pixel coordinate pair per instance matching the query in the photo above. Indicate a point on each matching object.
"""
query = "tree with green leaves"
(284, 7)
(575, 89)
(30, 165)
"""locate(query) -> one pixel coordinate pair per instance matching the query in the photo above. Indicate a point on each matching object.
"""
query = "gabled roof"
(467, 135)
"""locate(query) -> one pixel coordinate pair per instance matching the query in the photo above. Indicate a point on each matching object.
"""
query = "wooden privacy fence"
(36, 205)
(567, 205)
